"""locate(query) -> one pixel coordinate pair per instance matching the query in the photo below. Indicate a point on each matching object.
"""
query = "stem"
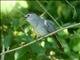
(3, 49)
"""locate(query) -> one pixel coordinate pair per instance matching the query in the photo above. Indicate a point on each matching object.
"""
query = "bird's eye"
(28, 15)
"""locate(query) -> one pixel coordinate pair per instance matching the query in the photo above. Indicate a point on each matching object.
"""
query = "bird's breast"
(40, 30)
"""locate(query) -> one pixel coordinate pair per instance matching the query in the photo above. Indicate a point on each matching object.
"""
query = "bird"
(42, 27)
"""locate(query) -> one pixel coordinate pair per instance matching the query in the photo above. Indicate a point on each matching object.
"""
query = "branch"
(34, 41)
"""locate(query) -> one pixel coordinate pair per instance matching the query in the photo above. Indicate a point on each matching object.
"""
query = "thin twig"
(42, 14)
(71, 7)
(70, 4)
(48, 13)
(34, 41)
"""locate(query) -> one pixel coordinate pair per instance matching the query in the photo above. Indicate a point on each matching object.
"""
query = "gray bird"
(41, 26)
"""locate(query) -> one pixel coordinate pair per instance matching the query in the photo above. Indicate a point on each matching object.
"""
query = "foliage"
(15, 31)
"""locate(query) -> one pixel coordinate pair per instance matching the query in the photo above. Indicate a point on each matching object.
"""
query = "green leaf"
(9, 56)
(20, 54)
(42, 57)
(63, 34)
(23, 38)
(8, 39)
(36, 48)
(15, 24)
(75, 41)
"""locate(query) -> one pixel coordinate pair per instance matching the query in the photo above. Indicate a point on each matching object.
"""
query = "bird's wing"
(49, 26)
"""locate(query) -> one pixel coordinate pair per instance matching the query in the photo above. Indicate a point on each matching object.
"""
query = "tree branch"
(34, 41)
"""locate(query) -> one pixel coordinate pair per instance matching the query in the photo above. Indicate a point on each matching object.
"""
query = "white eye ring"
(28, 15)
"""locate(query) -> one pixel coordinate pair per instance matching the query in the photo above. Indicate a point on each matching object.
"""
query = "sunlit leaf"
(19, 54)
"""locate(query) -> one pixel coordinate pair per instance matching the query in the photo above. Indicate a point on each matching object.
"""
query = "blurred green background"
(15, 31)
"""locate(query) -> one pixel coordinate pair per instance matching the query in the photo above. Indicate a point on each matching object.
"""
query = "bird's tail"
(58, 43)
